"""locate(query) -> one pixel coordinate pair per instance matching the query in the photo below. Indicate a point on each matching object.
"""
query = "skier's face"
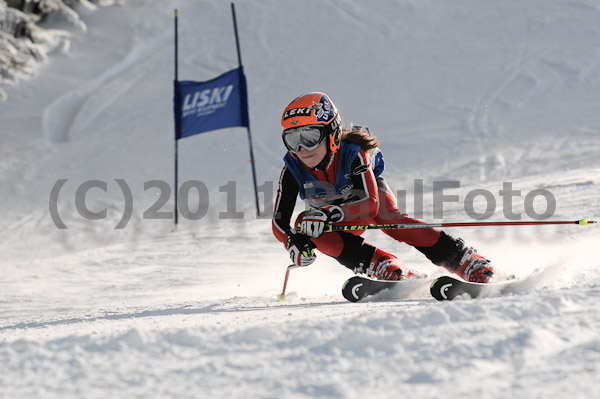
(314, 157)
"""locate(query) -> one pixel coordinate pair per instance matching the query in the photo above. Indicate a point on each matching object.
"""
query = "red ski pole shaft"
(287, 276)
(582, 222)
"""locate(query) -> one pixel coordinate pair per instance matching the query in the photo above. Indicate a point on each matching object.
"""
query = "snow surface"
(481, 92)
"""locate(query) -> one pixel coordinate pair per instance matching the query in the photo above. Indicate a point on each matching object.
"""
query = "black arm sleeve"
(286, 201)
(359, 189)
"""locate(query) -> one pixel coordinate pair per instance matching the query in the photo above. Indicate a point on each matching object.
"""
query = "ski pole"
(583, 222)
(282, 296)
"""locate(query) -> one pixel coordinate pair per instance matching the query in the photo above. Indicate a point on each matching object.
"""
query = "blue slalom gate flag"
(215, 104)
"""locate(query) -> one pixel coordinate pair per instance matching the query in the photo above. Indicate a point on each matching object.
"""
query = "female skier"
(337, 172)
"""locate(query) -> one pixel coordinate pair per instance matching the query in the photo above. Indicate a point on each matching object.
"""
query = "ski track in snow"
(60, 116)
(478, 91)
(425, 349)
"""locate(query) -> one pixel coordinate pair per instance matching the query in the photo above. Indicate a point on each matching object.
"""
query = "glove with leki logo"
(313, 223)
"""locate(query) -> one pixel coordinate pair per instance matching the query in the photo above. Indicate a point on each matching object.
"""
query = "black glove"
(301, 249)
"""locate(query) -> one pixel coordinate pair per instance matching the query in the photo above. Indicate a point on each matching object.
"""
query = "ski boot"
(385, 266)
(474, 267)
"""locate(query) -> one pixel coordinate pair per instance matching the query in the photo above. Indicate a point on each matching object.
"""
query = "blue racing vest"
(318, 193)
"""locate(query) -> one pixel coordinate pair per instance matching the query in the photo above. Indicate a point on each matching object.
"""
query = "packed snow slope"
(491, 94)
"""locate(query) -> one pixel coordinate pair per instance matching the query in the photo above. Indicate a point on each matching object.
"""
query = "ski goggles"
(309, 137)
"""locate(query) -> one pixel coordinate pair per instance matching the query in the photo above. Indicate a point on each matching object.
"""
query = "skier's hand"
(314, 222)
(301, 249)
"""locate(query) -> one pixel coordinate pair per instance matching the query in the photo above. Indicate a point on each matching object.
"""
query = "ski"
(443, 288)
(447, 288)
(359, 287)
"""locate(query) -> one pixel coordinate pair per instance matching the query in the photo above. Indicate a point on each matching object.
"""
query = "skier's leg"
(440, 248)
(362, 257)
(452, 254)
(389, 213)
(352, 251)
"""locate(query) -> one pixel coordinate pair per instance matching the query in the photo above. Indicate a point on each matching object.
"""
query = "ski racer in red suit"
(338, 173)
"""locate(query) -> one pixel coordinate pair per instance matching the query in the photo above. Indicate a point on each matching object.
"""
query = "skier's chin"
(314, 157)
(311, 161)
